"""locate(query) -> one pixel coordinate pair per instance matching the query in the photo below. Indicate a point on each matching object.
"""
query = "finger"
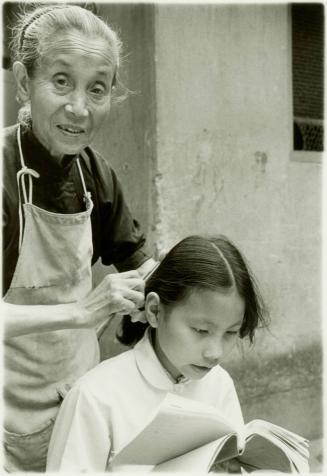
(126, 306)
(135, 296)
(138, 316)
(127, 274)
(116, 315)
(131, 283)
(138, 285)
(128, 300)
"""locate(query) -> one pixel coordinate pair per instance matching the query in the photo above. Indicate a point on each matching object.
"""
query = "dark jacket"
(117, 237)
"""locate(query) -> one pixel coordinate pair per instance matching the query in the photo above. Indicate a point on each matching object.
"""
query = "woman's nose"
(77, 106)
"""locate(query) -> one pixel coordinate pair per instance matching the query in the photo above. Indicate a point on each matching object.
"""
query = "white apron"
(54, 267)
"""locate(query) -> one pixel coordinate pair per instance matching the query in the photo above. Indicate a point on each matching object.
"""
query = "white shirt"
(111, 403)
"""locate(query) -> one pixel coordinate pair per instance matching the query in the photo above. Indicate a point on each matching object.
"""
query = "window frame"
(306, 156)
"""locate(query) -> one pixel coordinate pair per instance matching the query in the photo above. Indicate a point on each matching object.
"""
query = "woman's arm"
(20, 320)
(120, 293)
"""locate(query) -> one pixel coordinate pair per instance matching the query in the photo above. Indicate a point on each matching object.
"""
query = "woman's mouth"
(71, 130)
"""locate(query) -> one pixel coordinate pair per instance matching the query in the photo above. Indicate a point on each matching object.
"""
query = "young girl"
(198, 303)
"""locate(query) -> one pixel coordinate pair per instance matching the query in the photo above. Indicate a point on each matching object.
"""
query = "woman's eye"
(61, 81)
(98, 90)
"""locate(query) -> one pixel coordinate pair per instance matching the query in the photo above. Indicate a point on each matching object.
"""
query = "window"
(308, 76)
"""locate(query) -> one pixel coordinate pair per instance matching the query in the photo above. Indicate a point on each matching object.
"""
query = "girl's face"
(70, 92)
(196, 334)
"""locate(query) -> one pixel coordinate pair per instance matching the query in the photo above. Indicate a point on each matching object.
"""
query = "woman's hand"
(121, 293)
(118, 294)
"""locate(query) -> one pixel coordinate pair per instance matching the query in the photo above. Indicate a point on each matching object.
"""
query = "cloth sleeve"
(81, 437)
(128, 249)
(118, 235)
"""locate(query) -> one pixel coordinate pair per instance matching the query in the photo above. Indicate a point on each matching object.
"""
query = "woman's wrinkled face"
(70, 92)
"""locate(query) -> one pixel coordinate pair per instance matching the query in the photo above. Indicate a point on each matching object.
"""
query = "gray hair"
(33, 31)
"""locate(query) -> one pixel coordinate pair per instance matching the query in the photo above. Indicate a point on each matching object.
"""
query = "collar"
(37, 157)
(151, 368)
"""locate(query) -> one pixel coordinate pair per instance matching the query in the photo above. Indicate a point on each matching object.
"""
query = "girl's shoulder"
(109, 374)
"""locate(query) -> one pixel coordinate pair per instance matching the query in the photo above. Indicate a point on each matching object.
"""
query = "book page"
(293, 441)
(226, 451)
(261, 453)
(177, 428)
(131, 468)
(295, 447)
(199, 460)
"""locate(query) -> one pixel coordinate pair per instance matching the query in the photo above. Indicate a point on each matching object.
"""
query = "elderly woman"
(63, 209)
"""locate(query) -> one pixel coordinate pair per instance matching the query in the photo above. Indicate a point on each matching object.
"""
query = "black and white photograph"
(163, 237)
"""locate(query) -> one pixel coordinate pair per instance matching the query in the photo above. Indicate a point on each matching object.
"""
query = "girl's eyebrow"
(204, 321)
(238, 323)
(201, 320)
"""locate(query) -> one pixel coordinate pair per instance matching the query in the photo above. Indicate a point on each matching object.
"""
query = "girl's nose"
(77, 106)
(213, 353)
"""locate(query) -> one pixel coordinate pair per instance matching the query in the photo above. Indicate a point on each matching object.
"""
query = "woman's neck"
(38, 157)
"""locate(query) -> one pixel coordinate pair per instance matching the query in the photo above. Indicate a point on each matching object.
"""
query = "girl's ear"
(22, 82)
(152, 308)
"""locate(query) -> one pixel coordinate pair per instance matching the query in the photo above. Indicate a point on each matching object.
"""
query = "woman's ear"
(22, 82)
(152, 308)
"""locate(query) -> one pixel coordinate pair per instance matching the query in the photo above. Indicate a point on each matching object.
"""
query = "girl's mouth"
(200, 368)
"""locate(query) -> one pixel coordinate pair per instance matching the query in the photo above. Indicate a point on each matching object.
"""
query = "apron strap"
(87, 195)
(21, 184)
(21, 175)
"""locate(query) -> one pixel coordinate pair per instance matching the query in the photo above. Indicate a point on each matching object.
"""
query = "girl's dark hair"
(199, 262)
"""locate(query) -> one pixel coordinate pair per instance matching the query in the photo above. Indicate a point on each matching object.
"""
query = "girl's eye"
(200, 331)
(232, 333)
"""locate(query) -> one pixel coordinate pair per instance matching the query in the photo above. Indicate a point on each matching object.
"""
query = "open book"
(185, 435)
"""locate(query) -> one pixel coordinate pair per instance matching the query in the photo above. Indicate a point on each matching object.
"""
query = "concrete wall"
(128, 139)
(224, 165)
